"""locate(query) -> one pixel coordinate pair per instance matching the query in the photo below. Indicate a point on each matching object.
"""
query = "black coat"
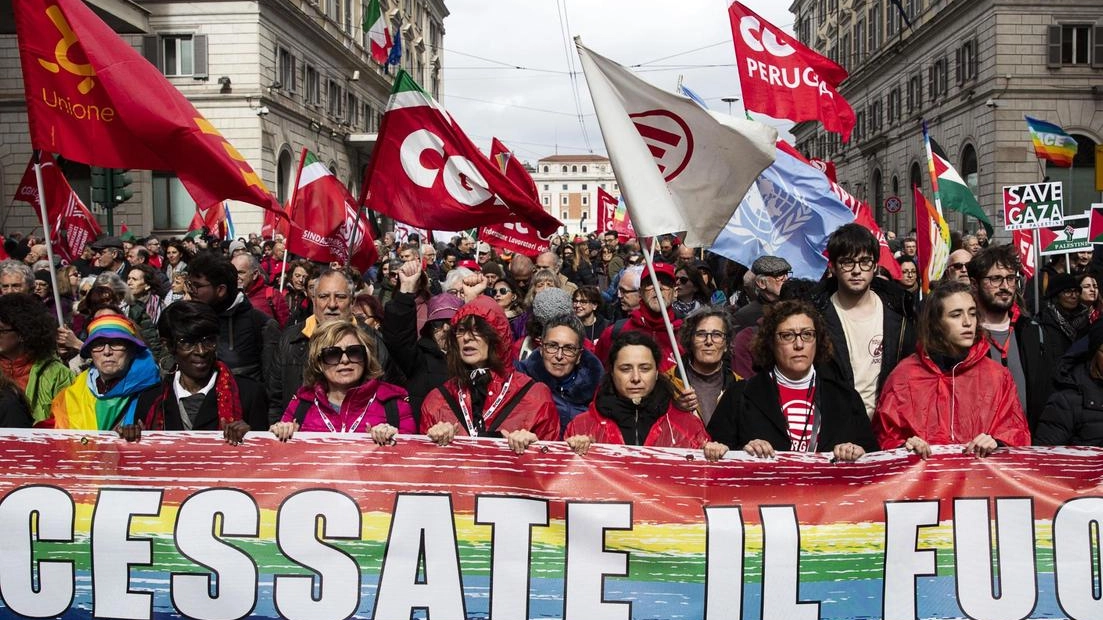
(420, 359)
(751, 409)
(254, 406)
(14, 412)
(1073, 415)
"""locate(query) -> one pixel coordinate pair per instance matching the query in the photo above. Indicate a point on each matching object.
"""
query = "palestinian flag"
(326, 222)
(950, 189)
(379, 32)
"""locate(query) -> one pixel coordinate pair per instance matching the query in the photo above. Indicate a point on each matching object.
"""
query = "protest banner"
(1035, 205)
(1095, 223)
(1071, 236)
(332, 526)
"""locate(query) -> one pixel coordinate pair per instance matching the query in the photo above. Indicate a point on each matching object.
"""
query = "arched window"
(564, 169)
(545, 169)
(574, 168)
(969, 167)
(915, 177)
(283, 176)
(584, 170)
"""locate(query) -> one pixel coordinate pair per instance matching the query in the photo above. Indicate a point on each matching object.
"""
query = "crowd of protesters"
(571, 344)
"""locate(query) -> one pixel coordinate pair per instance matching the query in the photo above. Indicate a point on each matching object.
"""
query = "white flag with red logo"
(782, 78)
(72, 225)
(326, 224)
(426, 172)
(680, 168)
(514, 236)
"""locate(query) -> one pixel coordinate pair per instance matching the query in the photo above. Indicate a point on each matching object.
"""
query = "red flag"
(212, 218)
(514, 236)
(72, 226)
(326, 225)
(782, 78)
(827, 167)
(426, 172)
(932, 237)
(273, 223)
(606, 210)
(1023, 240)
(92, 98)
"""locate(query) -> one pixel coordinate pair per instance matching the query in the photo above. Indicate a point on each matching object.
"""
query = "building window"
(859, 41)
(286, 77)
(915, 94)
(1071, 44)
(564, 187)
(574, 168)
(333, 10)
(565, 215)
(915, 176)
(547, 187)
(173, 207)
(313, 83)
(564, 170)
(875, 25)
(894, 105)
(353, 108)
(563, 200)
(547, 201)
(583, 168)
(969, 168)
(584, 187)
(937, 82)
(585, 214)
(966, 57)
(545, 169)
(585, 201)
(178, 54)
(875, 117)
(335, 99)
(860, 125)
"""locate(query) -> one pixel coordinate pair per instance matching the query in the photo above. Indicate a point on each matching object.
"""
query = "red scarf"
(228, 399)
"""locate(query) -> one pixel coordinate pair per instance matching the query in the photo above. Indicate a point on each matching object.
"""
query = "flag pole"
(662, 310)
(1037, 271)
(46, 234)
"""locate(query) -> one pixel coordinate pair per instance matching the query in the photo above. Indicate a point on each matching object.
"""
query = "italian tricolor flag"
(379, 32)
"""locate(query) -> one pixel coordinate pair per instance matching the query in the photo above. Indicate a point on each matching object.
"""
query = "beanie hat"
(1061, 282)
(111, 327)
(493, 267)
(551, 303)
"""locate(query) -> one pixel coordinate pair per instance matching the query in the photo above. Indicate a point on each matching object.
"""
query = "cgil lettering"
(421, 567)
(789, 77)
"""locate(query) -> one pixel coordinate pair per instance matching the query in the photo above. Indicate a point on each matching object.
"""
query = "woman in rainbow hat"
(106, 395)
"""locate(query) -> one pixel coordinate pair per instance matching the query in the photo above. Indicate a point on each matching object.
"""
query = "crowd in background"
(465, 339)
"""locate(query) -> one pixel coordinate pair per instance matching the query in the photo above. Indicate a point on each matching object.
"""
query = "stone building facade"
(273, 76)
(972, 69)
(568, 186)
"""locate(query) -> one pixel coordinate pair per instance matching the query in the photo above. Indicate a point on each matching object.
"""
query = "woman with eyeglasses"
(705, 338)
(692, 292)
(562, 363)
(586, 301)
(505, 293)
(341, 391)
(484, 395)
(200, 393)
(950, 391)
(796, 405)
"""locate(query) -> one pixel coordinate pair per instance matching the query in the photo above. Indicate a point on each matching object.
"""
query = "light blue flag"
(685, 90)
(790, 211)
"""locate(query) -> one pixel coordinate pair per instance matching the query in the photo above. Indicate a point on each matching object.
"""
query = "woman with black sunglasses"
(341, 391)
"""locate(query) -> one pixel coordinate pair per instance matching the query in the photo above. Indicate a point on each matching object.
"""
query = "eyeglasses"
(502, 291)
(703, 335)
(1070, 292)
(580, 301)
(356, 354)
(624, 292)
(781, 276)
(193, 286)
(207, 343)
(554, 348)
(101, 345)
(865, 264)
(808, 335)
(682, 279)
(994, 281)
(464, 332)
(957, 266)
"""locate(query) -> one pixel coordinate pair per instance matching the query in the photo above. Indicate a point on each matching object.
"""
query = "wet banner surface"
(183, 525)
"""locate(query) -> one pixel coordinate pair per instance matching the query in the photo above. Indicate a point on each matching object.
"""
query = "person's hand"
(714, 451)
(67, 339)
(760, 448)
(130, 432)
(473, 286)
(848, 452)
(234, 433)
(442, 433)
(383, 434)
(408, 276)
(284, 430)
(982, 445)
(921, 448)
(687, 400)
(579, 443)
(520, 439)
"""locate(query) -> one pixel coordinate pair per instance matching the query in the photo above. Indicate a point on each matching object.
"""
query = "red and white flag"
(427, 173)
(72, 225)
(606, 210)
(212, 218)
(326, 224)
(514, 236)
(782, 78)
(378, 29)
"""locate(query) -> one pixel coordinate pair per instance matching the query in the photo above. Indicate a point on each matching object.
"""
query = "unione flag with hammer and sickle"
(92, 98)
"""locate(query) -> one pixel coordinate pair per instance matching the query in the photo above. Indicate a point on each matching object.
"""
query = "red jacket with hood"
(675, 429)
(642, 319)
(941, 407)
(535, 411)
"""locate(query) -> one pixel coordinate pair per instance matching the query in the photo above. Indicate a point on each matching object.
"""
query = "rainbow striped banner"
(183, 525)
(1051, 143)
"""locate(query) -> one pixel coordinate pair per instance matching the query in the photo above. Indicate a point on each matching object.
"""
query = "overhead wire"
(568, 48)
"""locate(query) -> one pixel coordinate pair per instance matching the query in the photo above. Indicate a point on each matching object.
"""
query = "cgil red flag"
(606, 210)
(782, 78)
(92, 98)
(326, 223)
(72, 225)
(514, 236)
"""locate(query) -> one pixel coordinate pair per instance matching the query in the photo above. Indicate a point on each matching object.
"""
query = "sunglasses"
(357, 353)
(683, 279)
(502, 291)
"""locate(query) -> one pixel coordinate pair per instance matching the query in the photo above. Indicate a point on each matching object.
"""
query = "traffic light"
(100, 185)
(119, 182)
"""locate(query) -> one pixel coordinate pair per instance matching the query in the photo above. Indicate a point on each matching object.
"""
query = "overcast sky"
(533, 110)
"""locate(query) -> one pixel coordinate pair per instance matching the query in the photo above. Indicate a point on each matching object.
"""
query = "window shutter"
(1053, 45)
(959, 71)
(151, 50)
(199, 48)
(1097, 47)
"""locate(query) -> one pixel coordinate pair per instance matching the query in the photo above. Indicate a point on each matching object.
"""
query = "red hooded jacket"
(675, 429)
(535, 411)
(642, 319)
(976, 396)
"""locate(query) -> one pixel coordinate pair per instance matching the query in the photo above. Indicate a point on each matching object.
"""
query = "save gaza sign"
(1036, 205)
(334, 527)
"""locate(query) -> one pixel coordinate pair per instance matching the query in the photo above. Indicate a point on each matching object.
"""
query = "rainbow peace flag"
(1051, 142)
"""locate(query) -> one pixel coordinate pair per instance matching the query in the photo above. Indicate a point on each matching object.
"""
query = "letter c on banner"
(748, 26)
(409, 154)
(463, 181)
(54, 508)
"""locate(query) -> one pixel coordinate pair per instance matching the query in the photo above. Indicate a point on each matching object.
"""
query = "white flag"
(706, 160)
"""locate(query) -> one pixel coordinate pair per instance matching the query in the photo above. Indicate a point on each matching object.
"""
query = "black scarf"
(480, 381)
(635, 421)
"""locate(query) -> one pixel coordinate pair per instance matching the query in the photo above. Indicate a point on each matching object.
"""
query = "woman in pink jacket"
(950, 391)
(341, 390)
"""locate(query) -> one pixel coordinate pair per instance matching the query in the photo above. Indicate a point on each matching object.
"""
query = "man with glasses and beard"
(1015, 339)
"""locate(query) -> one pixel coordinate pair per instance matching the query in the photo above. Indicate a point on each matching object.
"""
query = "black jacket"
(246, 339)
(254, 406)
(420, 359)
(1073, 415)
(751, 409)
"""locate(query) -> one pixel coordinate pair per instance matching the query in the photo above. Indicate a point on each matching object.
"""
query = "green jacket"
(48, 377)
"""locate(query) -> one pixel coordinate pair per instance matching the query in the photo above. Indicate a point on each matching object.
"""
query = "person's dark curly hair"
(762, 345)
(37, 328)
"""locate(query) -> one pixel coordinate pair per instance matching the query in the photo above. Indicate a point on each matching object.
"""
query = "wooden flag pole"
(48, 242)
(662, 310)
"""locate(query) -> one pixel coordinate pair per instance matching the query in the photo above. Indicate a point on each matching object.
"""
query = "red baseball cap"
(664, 271)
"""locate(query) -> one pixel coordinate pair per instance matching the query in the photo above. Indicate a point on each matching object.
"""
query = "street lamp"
(729, 101)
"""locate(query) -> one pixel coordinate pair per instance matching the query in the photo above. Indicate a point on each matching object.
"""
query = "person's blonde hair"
(328, 335)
